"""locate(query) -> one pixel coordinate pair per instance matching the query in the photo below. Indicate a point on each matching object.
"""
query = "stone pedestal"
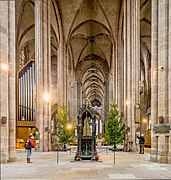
(162, 157)
(169, 157)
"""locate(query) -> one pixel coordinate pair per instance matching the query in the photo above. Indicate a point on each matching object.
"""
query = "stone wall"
(7, 81)
(161, 76)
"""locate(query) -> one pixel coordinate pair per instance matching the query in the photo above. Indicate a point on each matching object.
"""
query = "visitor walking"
(141, 143)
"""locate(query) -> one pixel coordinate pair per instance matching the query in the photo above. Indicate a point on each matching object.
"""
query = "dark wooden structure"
(86, 131)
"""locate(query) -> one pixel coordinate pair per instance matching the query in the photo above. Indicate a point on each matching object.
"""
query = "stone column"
(80, 100)
(62, 64)
(74, 101)
(112, 79)
(54, 66)
(111, 90)
(43, 71)
(61, 73)
(161, 80)
(154, 80)
(7, 82)
(120, 59)
(106, 100)
(163, 57)
(120, 81)
(131, 62)
(169, 77)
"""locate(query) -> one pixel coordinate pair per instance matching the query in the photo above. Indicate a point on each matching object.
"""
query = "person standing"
(29, 145)
(141, 143)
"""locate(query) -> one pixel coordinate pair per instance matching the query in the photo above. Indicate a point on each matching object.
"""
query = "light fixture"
(4, 67)
(46, 96)
(144, 120)
(69, 126)
(127, 102)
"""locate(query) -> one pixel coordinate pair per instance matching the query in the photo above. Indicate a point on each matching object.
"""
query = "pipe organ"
(26, 95)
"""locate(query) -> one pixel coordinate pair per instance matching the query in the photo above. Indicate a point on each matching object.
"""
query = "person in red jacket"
(29, 148)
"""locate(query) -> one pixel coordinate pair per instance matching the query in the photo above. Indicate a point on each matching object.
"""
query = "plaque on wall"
(161, 129)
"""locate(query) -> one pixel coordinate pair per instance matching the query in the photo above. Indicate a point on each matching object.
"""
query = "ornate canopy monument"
(86, 131)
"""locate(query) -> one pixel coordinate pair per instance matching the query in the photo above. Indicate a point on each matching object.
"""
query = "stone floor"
(128, 165)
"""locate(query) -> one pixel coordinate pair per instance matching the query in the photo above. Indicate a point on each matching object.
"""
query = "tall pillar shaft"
(7, 81)
(74, 101)
(120, 64)
(169, 73)
(120, 80)
(112, 78)
(154, 65)
(131, 62)
(163, 57)
(161, 86)
(61, 73)
(43, 71)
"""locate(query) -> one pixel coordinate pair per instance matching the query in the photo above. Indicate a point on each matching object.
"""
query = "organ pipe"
(26, 86)
(27, 104)
(19, 99)
(31, 93)
(22, 103)
(26, 92)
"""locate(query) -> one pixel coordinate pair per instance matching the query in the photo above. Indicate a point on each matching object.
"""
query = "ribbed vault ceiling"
(90, 28)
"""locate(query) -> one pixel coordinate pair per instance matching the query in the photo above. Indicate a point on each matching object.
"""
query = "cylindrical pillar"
(131, 63)
(43, 70)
